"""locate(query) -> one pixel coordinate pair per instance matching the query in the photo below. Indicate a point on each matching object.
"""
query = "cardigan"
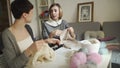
(11, 52)
(47, 29)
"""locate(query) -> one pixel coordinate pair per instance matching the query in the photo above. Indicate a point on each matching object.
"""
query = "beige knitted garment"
(44, 55)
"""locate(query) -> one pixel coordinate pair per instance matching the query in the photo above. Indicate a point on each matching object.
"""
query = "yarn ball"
(102, 45)
(103, 51)
(84, 50)
(95, 58)
(78, 59)
(92, 45)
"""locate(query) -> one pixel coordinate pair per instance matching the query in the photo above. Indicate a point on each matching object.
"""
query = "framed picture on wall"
(85, 12)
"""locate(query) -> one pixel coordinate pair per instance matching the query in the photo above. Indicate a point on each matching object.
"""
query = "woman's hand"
(55, 33)
(71, 31)
(52, 40)
(34, 47)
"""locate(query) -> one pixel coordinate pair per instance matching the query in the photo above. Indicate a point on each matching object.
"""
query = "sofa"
(110, 29)
(82, 27)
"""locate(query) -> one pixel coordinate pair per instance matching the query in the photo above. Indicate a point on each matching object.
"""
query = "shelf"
(43, 8)
(43, 2)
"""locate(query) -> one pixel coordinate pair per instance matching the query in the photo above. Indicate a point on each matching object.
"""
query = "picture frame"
(85, 12)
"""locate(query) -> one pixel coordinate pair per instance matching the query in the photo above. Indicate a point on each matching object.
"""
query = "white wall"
(104, 10)
(34, 23)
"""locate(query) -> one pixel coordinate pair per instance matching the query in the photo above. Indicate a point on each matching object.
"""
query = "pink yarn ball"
(77, 59)
(94, 57)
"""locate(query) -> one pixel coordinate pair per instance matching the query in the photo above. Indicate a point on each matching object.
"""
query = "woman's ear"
(24, 15)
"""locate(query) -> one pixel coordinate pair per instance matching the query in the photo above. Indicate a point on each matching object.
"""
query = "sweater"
(47, 29)
(11, 52)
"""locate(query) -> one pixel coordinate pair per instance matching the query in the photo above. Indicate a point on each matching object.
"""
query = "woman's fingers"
(55, 33)
(58, 32)
(71, 31)
(52, 40)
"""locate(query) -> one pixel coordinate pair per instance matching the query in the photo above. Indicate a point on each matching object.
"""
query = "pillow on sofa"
(109, 38)
(93, 34)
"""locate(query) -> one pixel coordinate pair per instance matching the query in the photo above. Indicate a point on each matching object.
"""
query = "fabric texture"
(93, 34)
(30, 31)
(13, 57)
(54, 23)
(92, 45)
(24, 44)
(47, 29)
(82, 27)
(66, 35)
(44, 55)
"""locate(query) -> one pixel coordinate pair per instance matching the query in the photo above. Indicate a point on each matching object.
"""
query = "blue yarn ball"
(103, 51)
(103, 45)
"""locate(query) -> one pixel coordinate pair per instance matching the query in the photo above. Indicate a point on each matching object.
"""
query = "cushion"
(93, 34)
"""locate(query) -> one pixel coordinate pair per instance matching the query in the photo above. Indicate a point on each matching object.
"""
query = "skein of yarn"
(92, 45)
(94, 57)
(78, 59)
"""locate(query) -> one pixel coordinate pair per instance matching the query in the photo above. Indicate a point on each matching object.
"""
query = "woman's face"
(54, 12)
(28, 16)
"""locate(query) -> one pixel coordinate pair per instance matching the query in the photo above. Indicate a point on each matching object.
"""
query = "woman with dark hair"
(18, 40)
(55, 26)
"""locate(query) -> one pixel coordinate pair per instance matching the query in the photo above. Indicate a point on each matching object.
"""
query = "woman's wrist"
(51, 35)
(28, 52)
(46, 41)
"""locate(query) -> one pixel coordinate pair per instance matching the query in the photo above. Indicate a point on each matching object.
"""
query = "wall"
(104, 10)
(34, 23)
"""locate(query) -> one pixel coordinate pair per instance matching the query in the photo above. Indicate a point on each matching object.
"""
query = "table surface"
(63, 56)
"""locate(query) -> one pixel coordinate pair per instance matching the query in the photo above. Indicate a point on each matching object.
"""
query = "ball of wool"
(95, 58)
(77, 59)
(92, 45)
(103, 51)
(84, 50)
(102, 45)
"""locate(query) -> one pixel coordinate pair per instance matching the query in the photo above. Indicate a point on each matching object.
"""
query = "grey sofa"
(82, 27)
(112, 29)
(109, 28)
